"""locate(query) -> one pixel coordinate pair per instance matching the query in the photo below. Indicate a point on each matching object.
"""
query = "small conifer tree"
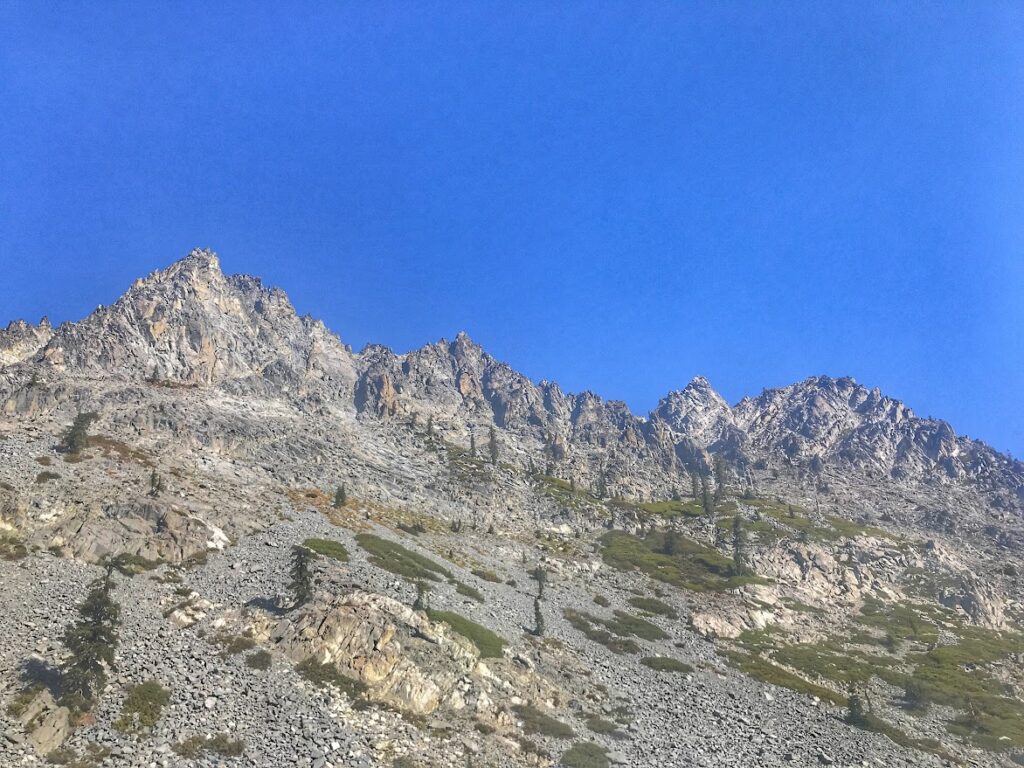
(91, 642)
(538, 618)
(340, 497)
(492, 445)
(76, 438)
(301, 585)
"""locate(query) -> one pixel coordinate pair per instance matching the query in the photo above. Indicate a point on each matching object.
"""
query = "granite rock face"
(225, 423)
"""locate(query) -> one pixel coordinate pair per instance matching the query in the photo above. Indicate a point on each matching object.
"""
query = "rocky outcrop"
(21, 341)
(402, 657)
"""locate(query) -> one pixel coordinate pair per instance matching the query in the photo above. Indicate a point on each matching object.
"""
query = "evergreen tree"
(719, 478)
(76, 438)
(538, 618)
(856, 710)
(91, 642)
(472, 444)
(430, 426)
(671, 544)
(301, 585)
(340, 497)
(709, 507)
(542, 578)
(156, 484)
(492, 446)
(739, 550)
(694, 486)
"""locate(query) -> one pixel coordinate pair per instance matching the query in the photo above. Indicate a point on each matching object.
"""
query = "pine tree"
(156, 484)
(542, 578)
(76, 438)
(472, 444)
(340, 497)
(430, 426)
(694, 486)
(91, 642)
(739, 551)
(301, 585)
(709, 507)
(671, 544)
(492, 446)
(856, 710)
(538, 618)
(719, 478)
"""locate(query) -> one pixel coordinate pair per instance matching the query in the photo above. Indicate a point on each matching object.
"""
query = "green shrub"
(486, 575)
(536, 722)
(585, 755)
(328, 548)
(601, 600)
(397, 559)
(487, 642)
(468, 591)
(653, 605)
(142, 707)
(324, 675)
(666, 664)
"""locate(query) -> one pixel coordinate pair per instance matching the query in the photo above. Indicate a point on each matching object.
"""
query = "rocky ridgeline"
(223, 424)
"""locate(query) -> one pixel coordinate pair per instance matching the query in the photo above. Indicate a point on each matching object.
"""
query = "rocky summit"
(228, 539)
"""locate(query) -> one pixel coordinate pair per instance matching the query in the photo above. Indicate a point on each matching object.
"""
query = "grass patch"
(765, 671)
(491, 576)
(586, 754)
(487, 642)
(142, 707)
(325, 675)
(666, 664)
(399, 560)
(594, 629)
(328, 548)
(468, 591)
(599, 725)
(536, 722)
(45, 476)
(654, 605)
(690, 565)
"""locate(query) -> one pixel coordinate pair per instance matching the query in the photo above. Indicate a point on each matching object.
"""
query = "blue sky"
(617, 196)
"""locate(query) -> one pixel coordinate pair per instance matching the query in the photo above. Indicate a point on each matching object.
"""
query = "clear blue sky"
(617, 196)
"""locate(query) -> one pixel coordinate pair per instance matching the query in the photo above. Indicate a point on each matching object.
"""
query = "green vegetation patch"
(586, 754)
(675, 560)
(666, 664)
(131, 565)
(615, 633)
(486, 575)
(142, 707)
(487, 642)
(654, 605)
(468, 591)
(767, 672)
(395, 558)
(536, 722)
(601, 726)
(324, 675)
(328, 548)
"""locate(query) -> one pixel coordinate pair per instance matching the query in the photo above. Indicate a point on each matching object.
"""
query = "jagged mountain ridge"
(192, 325)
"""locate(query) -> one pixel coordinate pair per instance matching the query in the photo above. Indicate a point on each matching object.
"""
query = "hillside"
(512, 575)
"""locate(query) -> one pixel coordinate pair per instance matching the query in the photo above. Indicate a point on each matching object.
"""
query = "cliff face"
(190, 325)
